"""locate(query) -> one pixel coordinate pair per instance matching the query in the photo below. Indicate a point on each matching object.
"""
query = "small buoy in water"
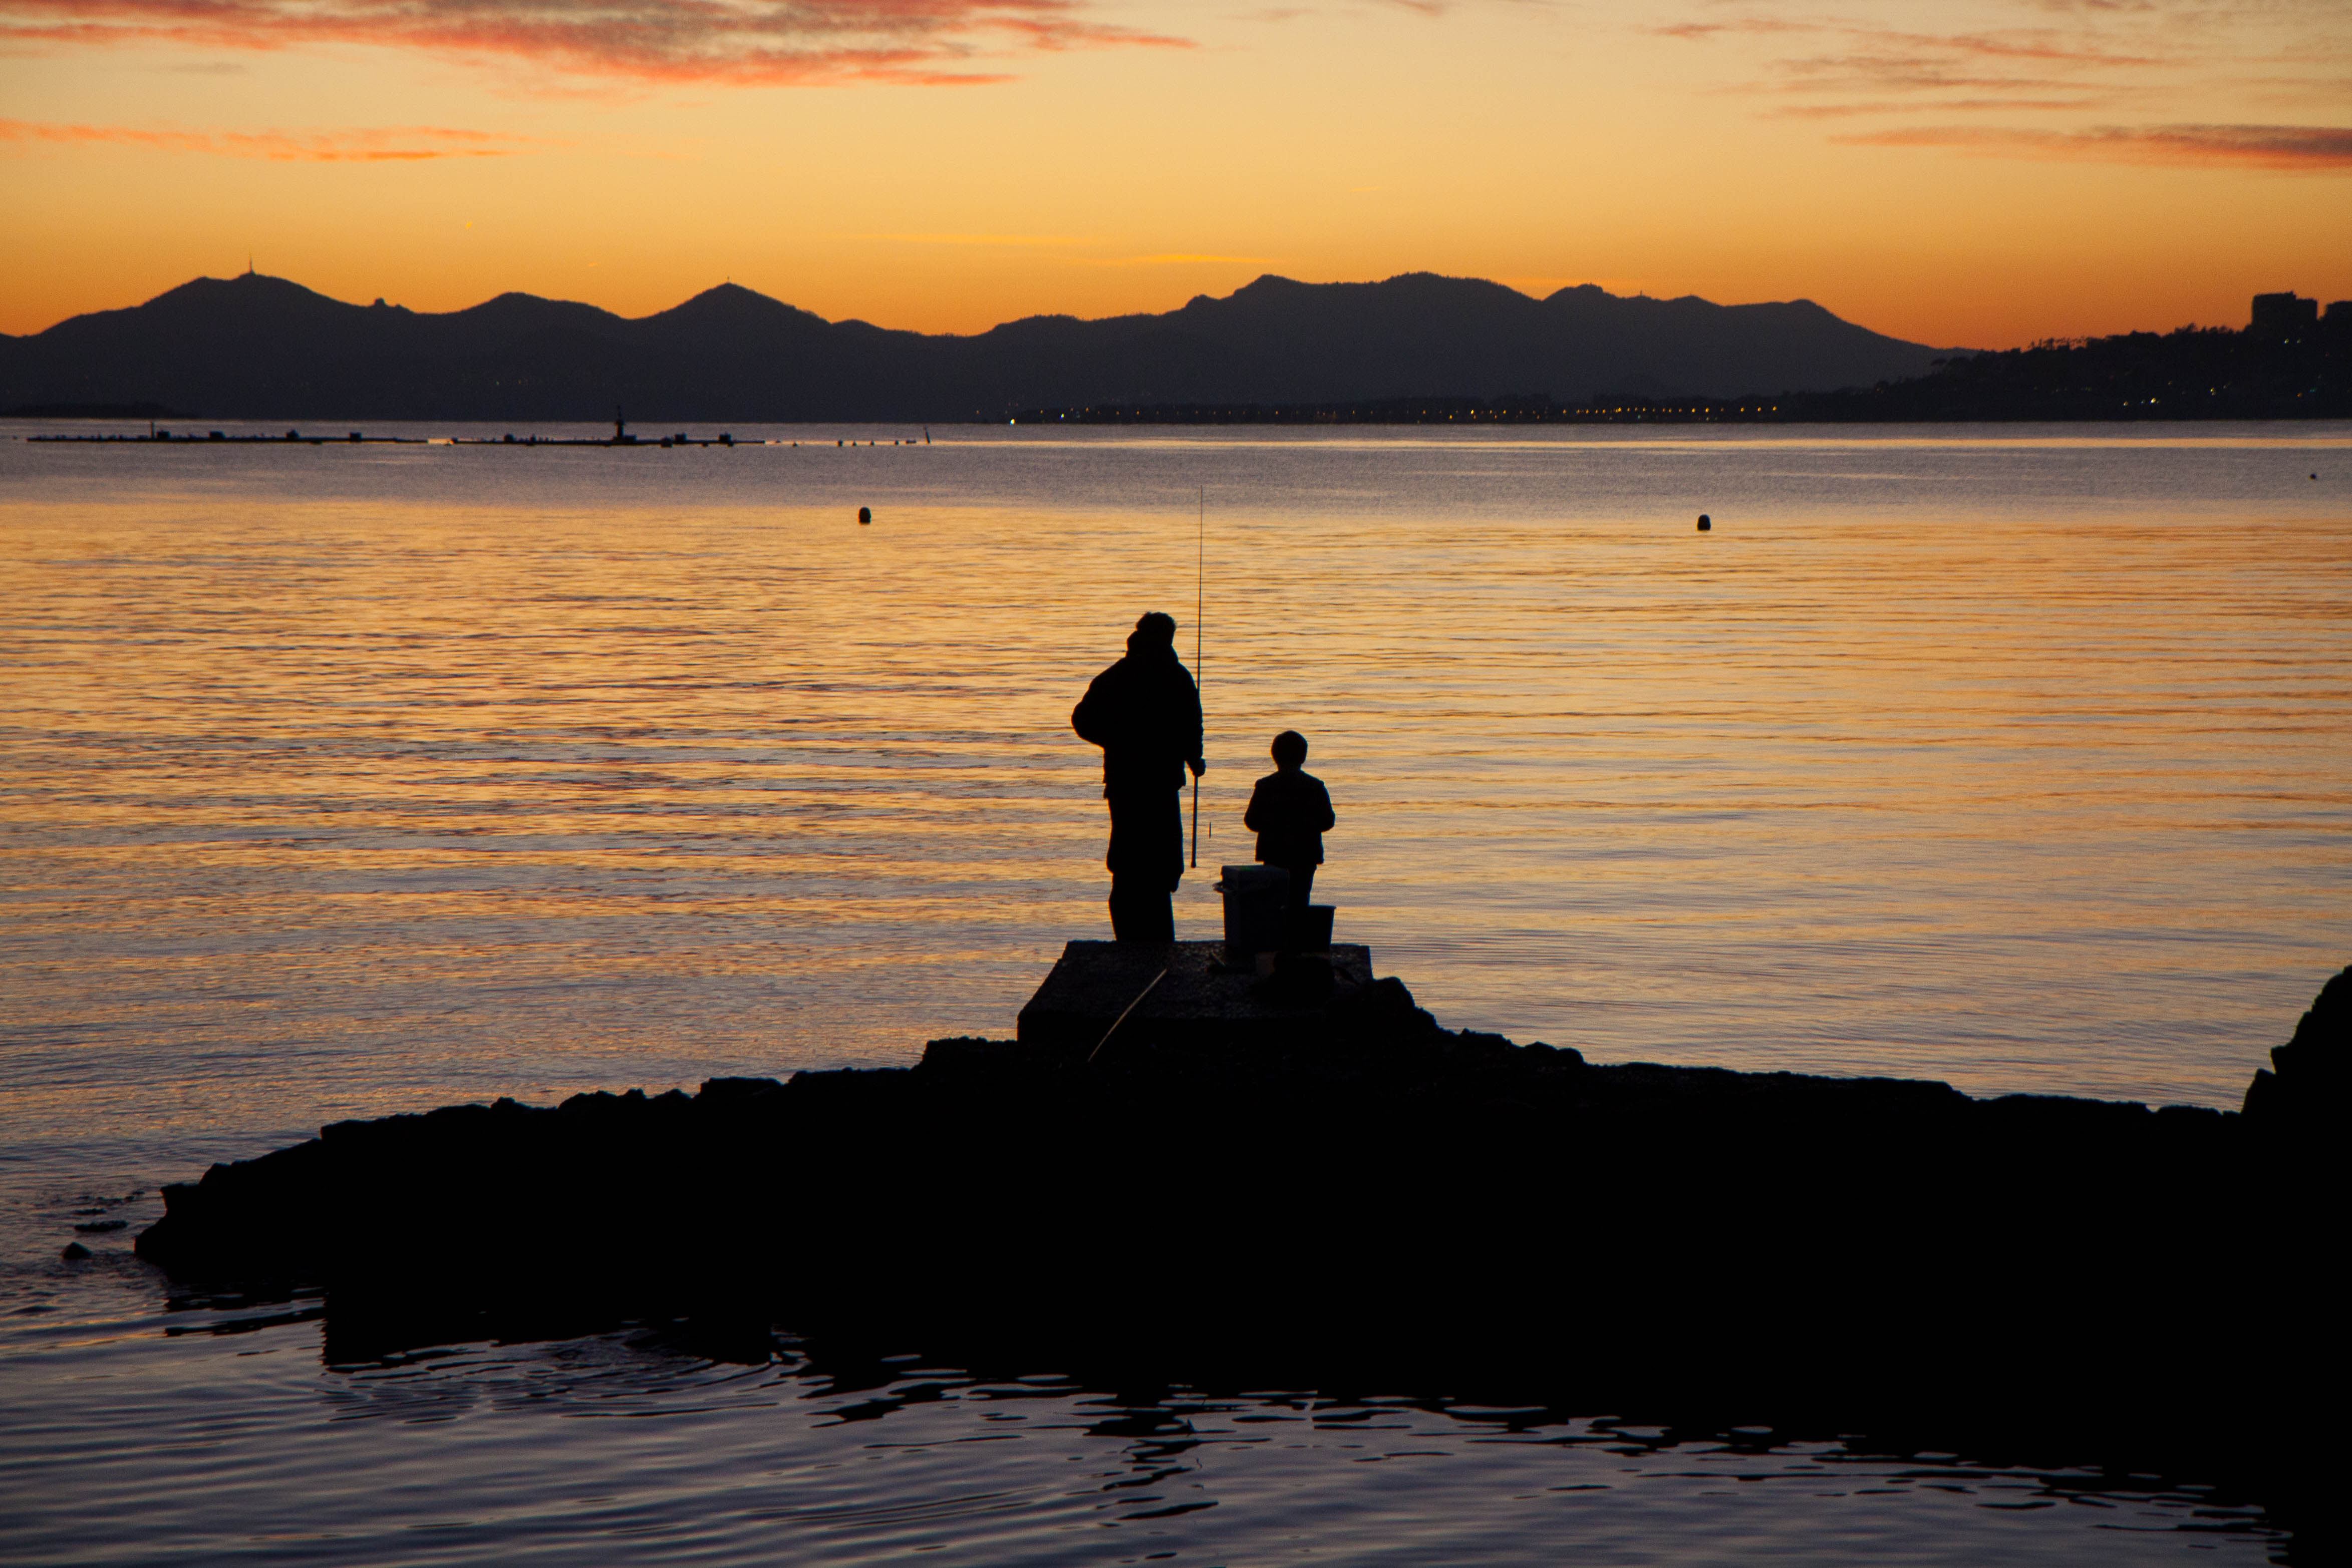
(865, 513)
(1704, 522)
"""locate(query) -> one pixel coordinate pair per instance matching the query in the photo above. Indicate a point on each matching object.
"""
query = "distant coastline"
(2300, 368)
(254, 348)
(1414, 350)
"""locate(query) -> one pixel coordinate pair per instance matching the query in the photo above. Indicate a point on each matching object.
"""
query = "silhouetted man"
(1145, 713)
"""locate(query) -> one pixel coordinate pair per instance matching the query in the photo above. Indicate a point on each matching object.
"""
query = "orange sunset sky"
(1977, 173)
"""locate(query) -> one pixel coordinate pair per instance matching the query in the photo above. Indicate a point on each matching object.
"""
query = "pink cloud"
(2305, 148)
(2019, 46)
(749, 42)
(1929, 106)
(394, 145)
(1699, 31)
(1853, 59)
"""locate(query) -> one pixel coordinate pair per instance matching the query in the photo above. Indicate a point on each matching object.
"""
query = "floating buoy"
(1704, 522)
(865, 513)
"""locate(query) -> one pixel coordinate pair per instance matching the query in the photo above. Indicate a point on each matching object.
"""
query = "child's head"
(1289, 750)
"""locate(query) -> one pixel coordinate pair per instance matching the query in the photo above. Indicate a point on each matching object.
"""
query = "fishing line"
(1199, 598)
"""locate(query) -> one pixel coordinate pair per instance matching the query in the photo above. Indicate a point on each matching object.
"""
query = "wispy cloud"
(1022, 240)
(2175, 81)
(1049, 242)
(1923, 105)
(749, 42)
(2310, 148)
(2083, 39)
(1876, 61)
(401, 144)
(1699, 32)
(1833, 66)
(1178, 258)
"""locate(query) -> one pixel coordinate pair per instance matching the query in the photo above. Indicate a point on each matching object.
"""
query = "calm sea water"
(342, 780)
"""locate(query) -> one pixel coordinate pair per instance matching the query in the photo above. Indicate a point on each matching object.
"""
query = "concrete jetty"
(1182, 990)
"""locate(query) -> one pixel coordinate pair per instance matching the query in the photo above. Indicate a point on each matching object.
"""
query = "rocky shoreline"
(1381, 1203)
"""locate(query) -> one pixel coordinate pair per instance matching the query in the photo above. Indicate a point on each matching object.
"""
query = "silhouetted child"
(1290, 811)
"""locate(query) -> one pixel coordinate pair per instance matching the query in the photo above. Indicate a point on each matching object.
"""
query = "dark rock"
(75, 1252)
(1380, 1015)
(1365, 1200)
(968, 1053)
(738, 1089)
(2312, 1082)
(1478, 1042)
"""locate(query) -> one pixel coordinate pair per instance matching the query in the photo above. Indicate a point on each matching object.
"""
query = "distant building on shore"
(2285, 316)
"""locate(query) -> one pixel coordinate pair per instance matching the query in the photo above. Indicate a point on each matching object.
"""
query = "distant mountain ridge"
(255, 346)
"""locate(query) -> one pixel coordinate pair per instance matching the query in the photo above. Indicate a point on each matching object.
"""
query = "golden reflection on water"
(336, 791)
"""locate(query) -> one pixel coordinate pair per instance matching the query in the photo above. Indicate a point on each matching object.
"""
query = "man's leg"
(1302, 886)
(1141, 911)
(1147, 859)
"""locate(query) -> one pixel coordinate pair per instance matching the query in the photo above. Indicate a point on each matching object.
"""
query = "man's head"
(1153, 631)
(1289, 750)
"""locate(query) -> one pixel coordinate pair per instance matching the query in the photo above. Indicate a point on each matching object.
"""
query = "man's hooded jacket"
(1145, 714)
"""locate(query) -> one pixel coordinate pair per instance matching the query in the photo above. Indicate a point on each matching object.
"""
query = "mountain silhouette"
(264, 347)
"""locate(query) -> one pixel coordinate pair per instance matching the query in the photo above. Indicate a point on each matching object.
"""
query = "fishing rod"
(1199, 598)
(1122, 1017)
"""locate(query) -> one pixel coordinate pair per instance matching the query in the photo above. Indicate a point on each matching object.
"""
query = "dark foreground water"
(338, 781)
(125, 1445)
